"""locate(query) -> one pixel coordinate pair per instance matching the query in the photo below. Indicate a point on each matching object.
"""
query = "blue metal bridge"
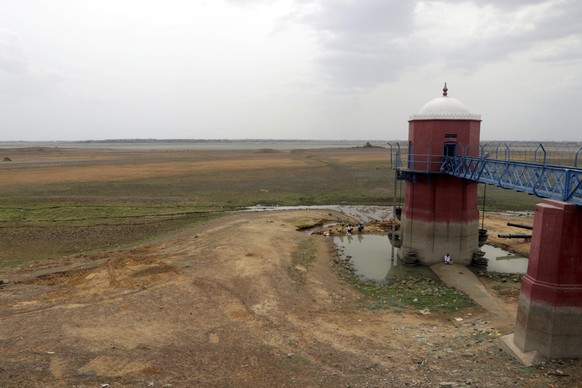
(536, 177)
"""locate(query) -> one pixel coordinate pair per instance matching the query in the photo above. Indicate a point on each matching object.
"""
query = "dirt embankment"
(232, 304)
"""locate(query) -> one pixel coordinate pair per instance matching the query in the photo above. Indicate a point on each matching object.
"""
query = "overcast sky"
(290, 69)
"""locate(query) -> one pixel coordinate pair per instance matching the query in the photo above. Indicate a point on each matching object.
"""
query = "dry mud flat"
(226, 305)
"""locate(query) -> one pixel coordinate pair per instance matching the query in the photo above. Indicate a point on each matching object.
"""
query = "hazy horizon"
(250, 140)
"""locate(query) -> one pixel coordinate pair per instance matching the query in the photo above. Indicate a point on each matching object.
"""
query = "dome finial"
(445, 90)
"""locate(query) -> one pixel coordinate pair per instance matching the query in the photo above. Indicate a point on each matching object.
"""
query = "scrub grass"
(414, 293)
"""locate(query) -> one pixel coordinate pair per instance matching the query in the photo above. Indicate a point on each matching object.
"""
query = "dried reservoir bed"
(140, 280)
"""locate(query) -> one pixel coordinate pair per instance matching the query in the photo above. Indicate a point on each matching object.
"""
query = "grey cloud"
(567, 22)
(371, 16)
(360, 60)
(369, 42)
(247, 3)
(563, 23)
(504, 4)
(361, 40)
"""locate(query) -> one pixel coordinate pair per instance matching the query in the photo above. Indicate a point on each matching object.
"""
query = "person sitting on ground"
(350, 228)
(448, 259)
(360, 227)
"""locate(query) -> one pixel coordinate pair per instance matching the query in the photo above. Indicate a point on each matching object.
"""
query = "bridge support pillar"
(549, 315)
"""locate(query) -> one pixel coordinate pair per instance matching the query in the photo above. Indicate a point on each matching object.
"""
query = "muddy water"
(504, 261)
(371, 258)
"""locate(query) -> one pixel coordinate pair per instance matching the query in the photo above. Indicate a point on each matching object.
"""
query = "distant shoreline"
(258, 144)
(197, 144)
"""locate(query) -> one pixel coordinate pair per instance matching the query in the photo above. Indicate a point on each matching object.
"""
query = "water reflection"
(371, 258)
(503, 261)
(370, 254)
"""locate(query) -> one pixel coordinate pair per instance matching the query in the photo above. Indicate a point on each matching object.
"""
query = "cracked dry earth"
(222, 306)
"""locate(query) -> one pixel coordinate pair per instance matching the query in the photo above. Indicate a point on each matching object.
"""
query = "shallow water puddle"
(371, 258)
(369, 254)
(503, 261)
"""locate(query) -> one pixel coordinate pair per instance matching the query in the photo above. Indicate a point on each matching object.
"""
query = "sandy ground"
(220, 306)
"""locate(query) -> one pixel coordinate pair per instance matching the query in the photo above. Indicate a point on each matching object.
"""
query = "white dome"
(445, 108)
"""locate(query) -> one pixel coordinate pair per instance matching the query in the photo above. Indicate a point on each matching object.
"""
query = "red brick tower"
(440, 212)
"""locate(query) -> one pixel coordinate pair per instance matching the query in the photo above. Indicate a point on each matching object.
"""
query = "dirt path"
(463, 279)
(227, 304)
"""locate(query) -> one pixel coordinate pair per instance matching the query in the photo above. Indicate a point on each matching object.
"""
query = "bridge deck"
(545, 181)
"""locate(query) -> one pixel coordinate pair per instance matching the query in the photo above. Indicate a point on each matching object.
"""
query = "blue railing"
(545, 181)
(531, 174)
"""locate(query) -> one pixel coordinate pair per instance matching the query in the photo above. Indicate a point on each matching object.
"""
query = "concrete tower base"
(440, 216)
(549, 315)
(432, 240)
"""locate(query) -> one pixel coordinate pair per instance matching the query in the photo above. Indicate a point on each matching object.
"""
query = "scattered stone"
(557, 372)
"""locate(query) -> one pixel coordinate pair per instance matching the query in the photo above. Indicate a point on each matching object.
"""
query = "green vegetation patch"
(69, 212)
(498, 199)
(414, 293)
(22, 244)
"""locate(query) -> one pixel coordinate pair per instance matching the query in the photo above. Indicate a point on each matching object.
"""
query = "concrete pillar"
(440, 216)
(549, 316)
